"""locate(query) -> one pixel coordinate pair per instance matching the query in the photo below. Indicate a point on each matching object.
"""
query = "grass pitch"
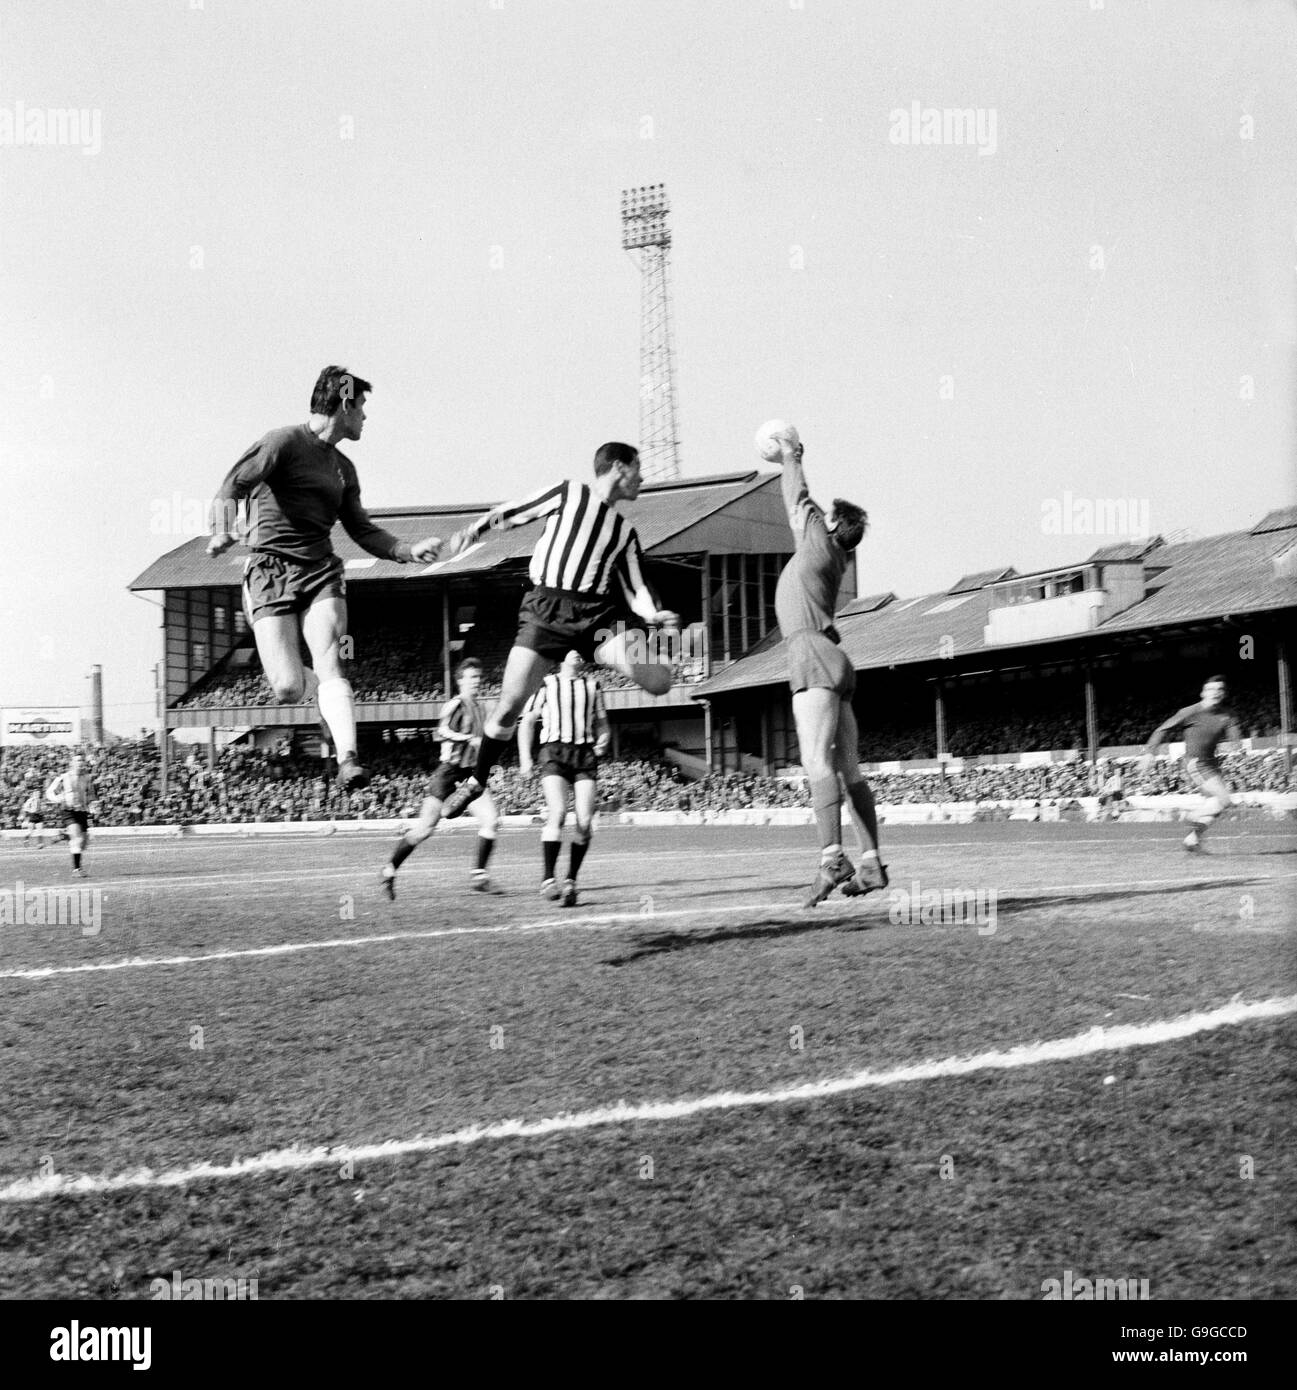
(259, 1000)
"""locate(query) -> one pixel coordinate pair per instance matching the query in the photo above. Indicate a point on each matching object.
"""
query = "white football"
(768, 436)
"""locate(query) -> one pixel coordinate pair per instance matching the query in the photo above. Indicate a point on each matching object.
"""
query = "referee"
(573, 736)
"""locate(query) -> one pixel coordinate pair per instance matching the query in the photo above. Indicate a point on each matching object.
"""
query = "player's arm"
(1233, 737)
(527, 732)
(644, 603)
(509, 514)
(446, 733)
(54, 792)
(1158, 736)
(256, 465)
(798, 502)
(371, 537)
(602, 728)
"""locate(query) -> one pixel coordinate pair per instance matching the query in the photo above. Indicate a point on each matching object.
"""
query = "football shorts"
(274, 586)
(573, 762)
(553, 622)
(816, 662)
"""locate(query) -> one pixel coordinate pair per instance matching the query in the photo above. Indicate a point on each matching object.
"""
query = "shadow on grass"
(807, 920)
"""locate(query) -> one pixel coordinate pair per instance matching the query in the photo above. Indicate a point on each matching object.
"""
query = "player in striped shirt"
(574, 734)
(34, 819)
(1205, 725)
(298, 485)
(460, 732)
(586, 547)
(72, 791)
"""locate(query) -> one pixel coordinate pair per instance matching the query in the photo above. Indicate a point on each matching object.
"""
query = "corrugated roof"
(1191, 582)
(1125, 550)
(868, 604)
(661, 511)
(970, 582)
(1281, 519)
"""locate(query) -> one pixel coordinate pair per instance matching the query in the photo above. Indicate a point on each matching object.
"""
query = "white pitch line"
(583, 923)
(286, 1160)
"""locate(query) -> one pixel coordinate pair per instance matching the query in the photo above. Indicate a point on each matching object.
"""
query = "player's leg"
(1217, 801)
(429, 815)
(623, 653)
(76, 843)
(324, 625)
(815, 713)
(584, 800)
(872, 873)
(487, 817)
(523, 673)
(554, 788)
(278, 637)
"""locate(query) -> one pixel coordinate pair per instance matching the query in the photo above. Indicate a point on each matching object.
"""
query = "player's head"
(572, 664)
(468, 676)
(1214, 691)
(341, 394)
(847, 523)
(621, 460)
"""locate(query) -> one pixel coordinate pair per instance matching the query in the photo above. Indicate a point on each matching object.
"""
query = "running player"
(72, 791)
(823, 679)
(587, 543)
(34, 819)
(1205, 725)
(1112, 792)
(298, 484)
(574, 734)
(460, 732)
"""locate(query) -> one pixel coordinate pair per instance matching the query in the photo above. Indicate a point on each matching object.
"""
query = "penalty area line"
(1079, 1045)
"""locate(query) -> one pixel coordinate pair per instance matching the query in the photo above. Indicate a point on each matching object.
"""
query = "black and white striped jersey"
(585, 545)
(570, 710)
(462, 716)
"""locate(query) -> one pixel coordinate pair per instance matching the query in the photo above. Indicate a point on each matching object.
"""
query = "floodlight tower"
(644, 230)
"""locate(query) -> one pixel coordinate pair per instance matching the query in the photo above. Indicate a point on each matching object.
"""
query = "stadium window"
(220, 617)
(198, 656)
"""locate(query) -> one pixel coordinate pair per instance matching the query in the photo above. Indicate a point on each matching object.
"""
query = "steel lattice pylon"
(646, 235)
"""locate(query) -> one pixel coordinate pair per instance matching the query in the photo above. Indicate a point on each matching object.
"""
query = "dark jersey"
(807, 592)
(1203, 729)
(462, 716)
(297, 489)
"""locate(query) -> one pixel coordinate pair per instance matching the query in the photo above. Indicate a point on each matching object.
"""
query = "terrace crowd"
(277, 784)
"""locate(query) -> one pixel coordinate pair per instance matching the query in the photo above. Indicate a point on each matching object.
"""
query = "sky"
(1093, 297)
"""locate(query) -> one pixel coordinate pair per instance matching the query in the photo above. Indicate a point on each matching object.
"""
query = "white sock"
(338, 710)
(830, 852)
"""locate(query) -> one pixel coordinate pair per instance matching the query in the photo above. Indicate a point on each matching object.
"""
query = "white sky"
(821, 272)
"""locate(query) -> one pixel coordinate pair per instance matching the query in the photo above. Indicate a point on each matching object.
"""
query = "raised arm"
(371, 537)
(508, 514)
(254, 466)
(798, 503)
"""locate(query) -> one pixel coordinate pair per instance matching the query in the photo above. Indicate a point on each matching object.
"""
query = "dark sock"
(862, 798)
(485, 844)
(575, 856)
(76, 861)
(551, 849)
(404, 849)
(487, 757)
(826, 802)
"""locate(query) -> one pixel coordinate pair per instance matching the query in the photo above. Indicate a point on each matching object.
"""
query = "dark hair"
(853, 522)
(333, 386)
(470, 663)
(607, 456)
